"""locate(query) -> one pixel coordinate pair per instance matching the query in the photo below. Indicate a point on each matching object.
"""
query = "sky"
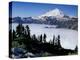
(29, 9)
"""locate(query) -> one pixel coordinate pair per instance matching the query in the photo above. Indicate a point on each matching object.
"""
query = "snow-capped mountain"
(52, 14)
(56, 13)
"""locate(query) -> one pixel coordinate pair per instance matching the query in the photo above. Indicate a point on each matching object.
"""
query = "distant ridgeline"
(66, 22)
(22, 42)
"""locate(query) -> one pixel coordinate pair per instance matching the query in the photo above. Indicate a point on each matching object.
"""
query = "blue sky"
(26, 9)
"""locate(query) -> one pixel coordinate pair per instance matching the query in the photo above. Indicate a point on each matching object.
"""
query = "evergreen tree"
(56, 41)
(28, 37)
(53, 39)
(41, 38)
(14, 35)
(44, 38)
(59, 45)
(34, 37)
(76, 49)
(28, 30)
(50, 41)
(19, 30)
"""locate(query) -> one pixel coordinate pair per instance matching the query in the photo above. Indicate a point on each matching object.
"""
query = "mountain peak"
(56, 9)
(55, 12)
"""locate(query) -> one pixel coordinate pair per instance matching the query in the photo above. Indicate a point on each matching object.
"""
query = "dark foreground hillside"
(23, 45)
